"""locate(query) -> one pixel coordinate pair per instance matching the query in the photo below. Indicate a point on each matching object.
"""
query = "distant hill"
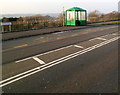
(24, 15)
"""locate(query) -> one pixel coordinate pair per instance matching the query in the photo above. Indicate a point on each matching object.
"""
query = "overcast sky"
(55, 6)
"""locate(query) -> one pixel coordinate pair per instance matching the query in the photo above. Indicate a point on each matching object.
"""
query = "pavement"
(83, 63)
(23, 34)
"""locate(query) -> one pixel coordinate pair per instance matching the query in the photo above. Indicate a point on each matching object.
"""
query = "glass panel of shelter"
(70, 15)
(80, 15)
(83, 15)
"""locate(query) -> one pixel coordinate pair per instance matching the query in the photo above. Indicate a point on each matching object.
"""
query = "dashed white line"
(38, 60)
(92, 39)
(78, 46)
(100, 38)
(115, 34)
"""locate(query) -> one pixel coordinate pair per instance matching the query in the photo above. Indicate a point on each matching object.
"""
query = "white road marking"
(115, 34)
(55, 62)
(38, 60)
(92, 39)
(43, 53)
(20, 46)
(53, 51)
(100, 38)
(105, 35)
(7, 49)
(78, 46)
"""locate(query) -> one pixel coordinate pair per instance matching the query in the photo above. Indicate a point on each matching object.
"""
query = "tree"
(94, 16)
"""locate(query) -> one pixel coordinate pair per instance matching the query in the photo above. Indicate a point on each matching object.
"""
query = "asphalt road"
(22, 48)
(88, 63)
(93, 70)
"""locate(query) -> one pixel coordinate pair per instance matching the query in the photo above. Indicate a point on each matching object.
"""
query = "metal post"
(63, 18)
(10, 28)
(2, 27)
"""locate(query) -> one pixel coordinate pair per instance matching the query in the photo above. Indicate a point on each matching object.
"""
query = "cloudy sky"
(55, 6)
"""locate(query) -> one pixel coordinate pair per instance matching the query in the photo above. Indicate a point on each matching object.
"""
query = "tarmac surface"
(84, 63)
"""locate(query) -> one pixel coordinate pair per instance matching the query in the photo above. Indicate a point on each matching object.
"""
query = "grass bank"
(112, 23)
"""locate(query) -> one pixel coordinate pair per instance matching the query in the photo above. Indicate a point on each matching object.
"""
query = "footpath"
(22, 34)
(16, 35)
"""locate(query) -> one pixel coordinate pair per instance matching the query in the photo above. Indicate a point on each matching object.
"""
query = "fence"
(32, 25)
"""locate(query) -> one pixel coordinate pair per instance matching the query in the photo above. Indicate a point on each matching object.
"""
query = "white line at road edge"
(48, 65)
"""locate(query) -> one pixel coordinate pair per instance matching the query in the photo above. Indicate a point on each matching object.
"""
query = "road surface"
(26, 47)
(84, 63)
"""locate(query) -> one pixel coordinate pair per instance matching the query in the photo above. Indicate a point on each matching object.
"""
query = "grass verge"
(113, 23)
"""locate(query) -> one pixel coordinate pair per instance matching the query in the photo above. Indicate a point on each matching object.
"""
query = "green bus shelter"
(76, 16)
